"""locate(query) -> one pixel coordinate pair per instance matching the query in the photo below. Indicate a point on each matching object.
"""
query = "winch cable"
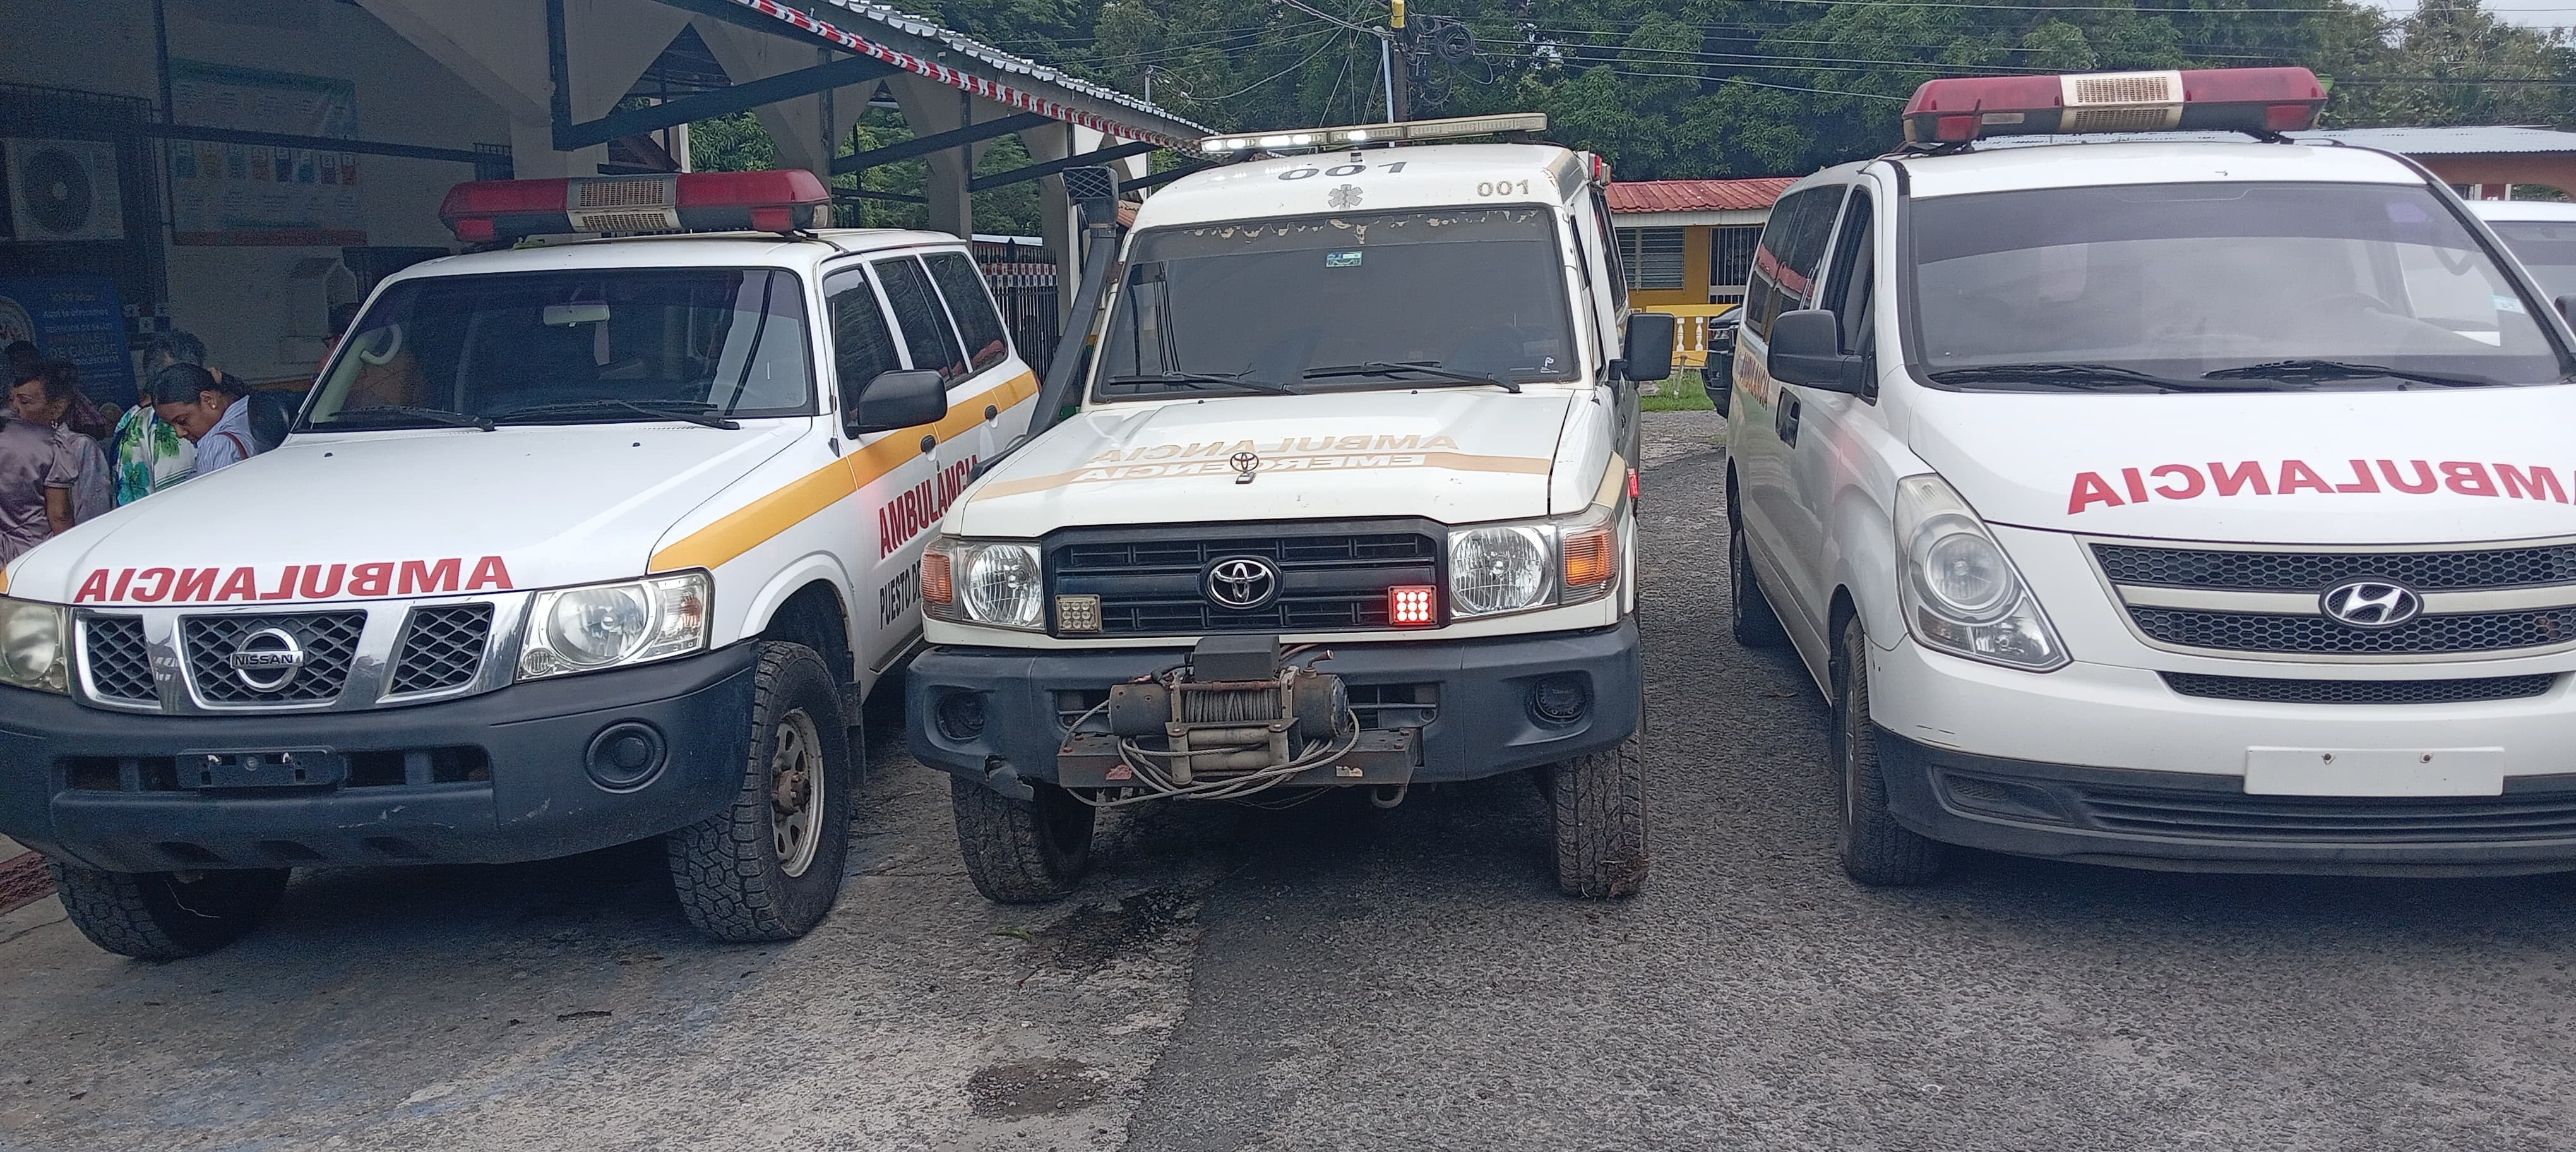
(1140, 760)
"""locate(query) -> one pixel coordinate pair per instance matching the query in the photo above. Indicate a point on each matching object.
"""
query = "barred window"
(1652, 256)
(1730, 255)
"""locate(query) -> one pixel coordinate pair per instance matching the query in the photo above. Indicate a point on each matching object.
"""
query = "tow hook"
(1389, 795)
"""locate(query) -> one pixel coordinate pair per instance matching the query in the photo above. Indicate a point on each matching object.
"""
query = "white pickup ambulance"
(2195, 505)
(573, 545)
(1349, 501)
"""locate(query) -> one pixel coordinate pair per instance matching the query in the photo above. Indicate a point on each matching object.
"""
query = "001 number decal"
(1503, 188)
(1308, 172)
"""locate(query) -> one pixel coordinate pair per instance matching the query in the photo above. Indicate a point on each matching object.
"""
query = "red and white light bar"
(2211, 99)
(485, 211)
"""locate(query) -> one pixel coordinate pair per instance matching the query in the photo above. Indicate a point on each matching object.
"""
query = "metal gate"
(1023, 277)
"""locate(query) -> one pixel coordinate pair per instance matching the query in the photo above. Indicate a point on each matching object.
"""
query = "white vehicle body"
(797, 527)
(2190, 697)
(1184, 477)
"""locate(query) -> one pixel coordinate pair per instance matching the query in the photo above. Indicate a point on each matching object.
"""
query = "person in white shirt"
(213, 414)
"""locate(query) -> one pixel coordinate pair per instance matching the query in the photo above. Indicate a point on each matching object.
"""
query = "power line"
(1341, 37)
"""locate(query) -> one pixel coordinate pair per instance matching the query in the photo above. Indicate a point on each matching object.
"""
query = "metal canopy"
(923, 48)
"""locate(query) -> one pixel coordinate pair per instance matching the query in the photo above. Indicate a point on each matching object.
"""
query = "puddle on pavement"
(1024, 1088)
(1091, 936)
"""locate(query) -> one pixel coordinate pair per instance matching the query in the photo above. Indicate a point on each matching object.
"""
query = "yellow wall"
(1695, 272)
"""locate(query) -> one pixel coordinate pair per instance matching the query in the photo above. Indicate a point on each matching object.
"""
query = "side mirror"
(898, 400)
(1807, 349)
(1647, 352)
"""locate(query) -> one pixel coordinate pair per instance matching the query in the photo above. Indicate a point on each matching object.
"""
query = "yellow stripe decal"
(798, 500)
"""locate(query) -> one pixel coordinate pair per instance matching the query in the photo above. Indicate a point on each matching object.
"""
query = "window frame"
(877, 263)
(992, 308)
(840, 277)
(1636, 273)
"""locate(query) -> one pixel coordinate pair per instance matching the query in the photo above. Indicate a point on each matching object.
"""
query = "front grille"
(1330, 581)
(2335, 820)
(2272, 691)
(2318, 571)
(328, 639)
(120, 661)
(2264, 632)
(441, 647)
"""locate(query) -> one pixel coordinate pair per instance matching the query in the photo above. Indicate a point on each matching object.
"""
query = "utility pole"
(1399, 100)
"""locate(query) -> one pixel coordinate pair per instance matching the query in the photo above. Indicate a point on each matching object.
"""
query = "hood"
(375, 514)
(1453, 455)
(2383, 467)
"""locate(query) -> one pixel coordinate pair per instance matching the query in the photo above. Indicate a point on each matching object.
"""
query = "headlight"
(33, 652)
(1960, 592)
(992, 582)
(616, 625)
(1519, 567)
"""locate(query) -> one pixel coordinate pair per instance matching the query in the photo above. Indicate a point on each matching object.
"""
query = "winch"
(1236, 718)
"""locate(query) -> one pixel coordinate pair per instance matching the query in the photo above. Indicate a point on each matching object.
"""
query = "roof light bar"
(2258, 100)
(488, 211)
(1452, 128)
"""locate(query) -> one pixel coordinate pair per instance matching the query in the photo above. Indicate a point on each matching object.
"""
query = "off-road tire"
(160, 915)
(727, 870)
(1748, 614)
(1876, 850)
(1022, 851)
(1597, 807)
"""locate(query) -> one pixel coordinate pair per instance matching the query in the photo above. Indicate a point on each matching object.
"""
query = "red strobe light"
(1412, 605)
(485, 211)
(2215, 99)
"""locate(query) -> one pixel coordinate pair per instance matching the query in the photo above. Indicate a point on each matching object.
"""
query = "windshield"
(2183, 280)
(2547, 247)
(557, 347)
(1313, 303)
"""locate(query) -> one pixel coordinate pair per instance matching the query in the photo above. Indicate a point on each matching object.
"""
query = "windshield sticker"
(293, 582)
(1307, 454)
(1342, 259)
(2291, 477)
(2508, 304)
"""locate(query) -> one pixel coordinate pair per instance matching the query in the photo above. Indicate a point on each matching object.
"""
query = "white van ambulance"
(2196, 505)
(1349, 502)
(573, 545)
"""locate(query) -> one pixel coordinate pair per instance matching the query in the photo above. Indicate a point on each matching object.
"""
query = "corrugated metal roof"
(1747, 195)
(986, 53)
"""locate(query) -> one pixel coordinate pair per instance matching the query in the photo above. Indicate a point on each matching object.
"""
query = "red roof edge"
(1745, 195)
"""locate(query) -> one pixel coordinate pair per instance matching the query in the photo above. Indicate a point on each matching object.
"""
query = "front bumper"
(2108, 765)
(1482, 725)
(496, 778)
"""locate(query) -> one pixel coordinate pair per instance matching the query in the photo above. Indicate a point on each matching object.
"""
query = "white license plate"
(2374, 771)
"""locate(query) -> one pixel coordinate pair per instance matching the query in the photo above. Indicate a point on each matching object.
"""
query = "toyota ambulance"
(572, 545)
(1349, 503)
(2181, 504)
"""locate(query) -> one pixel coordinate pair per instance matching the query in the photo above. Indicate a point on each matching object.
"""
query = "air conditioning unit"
(63, 190)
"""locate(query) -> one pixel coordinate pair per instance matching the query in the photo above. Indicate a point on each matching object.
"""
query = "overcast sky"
(2536, 13)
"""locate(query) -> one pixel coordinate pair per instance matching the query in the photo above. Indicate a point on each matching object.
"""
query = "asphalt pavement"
(1339, 977)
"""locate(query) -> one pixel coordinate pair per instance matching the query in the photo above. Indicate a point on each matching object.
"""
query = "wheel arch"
(807, 608)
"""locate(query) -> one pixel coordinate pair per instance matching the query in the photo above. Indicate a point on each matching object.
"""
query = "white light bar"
(1451, 128)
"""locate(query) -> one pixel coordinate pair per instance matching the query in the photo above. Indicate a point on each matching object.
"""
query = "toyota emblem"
(2371, 604)
(1241, 583)
(267, 660)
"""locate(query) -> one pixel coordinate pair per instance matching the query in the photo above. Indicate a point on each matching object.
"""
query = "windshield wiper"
(1424, 367)
(1203, 379)
(391, 412)
(2340, 370)
(694, 411)
(2074, 376)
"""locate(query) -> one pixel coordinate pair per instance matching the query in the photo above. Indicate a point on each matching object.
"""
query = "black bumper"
(1483, 726)
(2189, 822)
(494, 778)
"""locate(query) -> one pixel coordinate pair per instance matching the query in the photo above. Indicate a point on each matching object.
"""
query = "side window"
(1602, 235)
(926, 332)
(1848, 278)
(970, 303)
(862, 344)
(1765, 298)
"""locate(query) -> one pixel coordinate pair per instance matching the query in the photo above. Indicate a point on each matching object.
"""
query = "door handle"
(1784, 417)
